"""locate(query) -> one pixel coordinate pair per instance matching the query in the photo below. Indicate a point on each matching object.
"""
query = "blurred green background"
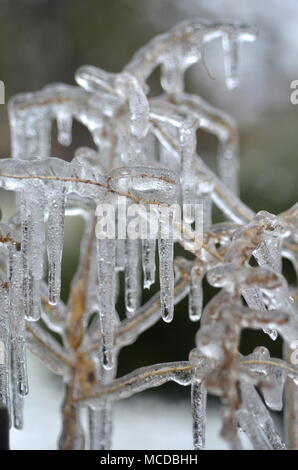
(45, 41)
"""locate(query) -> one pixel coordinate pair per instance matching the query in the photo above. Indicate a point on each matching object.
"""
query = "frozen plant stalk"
(146, 155)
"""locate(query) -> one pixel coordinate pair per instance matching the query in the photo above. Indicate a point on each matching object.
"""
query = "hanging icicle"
(231, 57)
(17, 323)
(148, 260)
(4, 345)
(55, 242)
(33, 244)
(195, 298)
(188, 142)
(198, 403)
(166, 268)
(17, 398)
(132, 276)
(106, 297)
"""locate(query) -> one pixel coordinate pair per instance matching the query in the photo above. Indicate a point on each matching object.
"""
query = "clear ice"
(145, 154)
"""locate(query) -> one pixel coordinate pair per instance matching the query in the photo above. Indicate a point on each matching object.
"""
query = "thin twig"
(141, 374)
(59, 355)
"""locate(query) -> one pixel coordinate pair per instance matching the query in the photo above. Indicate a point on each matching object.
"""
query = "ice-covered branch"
(47, 349)
(140, 380)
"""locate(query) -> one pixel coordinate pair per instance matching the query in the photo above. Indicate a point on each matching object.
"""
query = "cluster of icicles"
(137, 140)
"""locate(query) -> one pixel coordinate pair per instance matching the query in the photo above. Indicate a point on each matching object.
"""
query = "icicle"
(148, 258)
(204, 190)
(188, 142)
(32, 213)
(172, 76)
(198, 404)
(17, 399)
(138, 104)
(26, 235)
(100, 426)
(232, 35)
(166, 269)
(275, 372)
(132, 276)
(149, 247)
(25, 129)
(55, 243)
(120, 255)
(17, 322)
(132, 136)
(262, 431)
(4, 346)
(64, 127)
(254, 299)
(195, 298)
(44, 137)
(228, 164)
(100, 414)
(144, 378)
(231, 60)
(31, 132)
(106, 299)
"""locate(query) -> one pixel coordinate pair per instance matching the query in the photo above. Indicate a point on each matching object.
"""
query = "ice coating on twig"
(263, 435)
(231, 37)
(17, 320)
(100, 415)
(142, 379)
(276, 372)
(47, 349)
(15, 328)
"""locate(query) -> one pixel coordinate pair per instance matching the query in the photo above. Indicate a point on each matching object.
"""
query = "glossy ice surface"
(146, 153)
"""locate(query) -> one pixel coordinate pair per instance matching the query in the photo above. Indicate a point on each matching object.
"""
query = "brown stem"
(72, 436)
